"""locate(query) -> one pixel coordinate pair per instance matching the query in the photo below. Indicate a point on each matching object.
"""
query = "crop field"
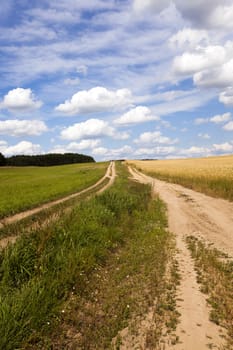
(212, 175)
(26, 187)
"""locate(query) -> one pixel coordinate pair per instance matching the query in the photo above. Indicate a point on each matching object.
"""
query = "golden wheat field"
(211, 175)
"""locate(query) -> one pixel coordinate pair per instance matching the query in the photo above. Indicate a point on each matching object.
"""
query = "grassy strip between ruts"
(215, 274)
(27, 187)
(76, 283)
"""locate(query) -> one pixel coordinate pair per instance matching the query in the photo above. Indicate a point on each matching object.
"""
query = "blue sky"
(117, 78)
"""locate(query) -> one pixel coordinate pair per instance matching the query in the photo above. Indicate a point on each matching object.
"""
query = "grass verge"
(76, 283)
(215, 274)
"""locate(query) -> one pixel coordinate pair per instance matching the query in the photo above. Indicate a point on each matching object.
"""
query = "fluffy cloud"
(222, 17)
(153, 138)
(155, 151)
(22, 127)
(228, 126)
(98, 99)
(88, 129)
(76, 146)
(115, 153)
(216, 119)
(84, 144)
(202, 58)
(92, 128)
(194, 150)
(20, 100)
(189, 38)
(23, 147)
(221, 118)
(221, 76)
(224, 147)
(140, 114)
(226, 97)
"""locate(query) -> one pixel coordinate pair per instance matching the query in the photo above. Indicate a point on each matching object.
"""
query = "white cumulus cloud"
(223, 147)
(114, 153)
(195, 150)
(153, 152)
(153, 138)
(21, 148)
(140, 114)
(195, 62)
(20, 100)
(15, 127)
(92, 128)
(221, 76)
(76, 146)
(98, 99)
(221, 118)
(228, 126)
(88, 129)
(222, 17)
(216, 119)
(226, 97)
(189, 38)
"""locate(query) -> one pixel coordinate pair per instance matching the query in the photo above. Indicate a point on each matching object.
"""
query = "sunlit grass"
(25, 187)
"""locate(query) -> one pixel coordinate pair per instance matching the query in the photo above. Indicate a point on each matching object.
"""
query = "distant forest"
(45, 159)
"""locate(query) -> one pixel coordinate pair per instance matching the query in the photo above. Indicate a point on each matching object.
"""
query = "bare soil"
(192, 213)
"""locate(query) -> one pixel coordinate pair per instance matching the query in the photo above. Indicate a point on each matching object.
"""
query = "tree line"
(45, 159)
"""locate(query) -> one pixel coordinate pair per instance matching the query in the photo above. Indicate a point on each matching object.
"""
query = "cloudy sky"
(117, 78)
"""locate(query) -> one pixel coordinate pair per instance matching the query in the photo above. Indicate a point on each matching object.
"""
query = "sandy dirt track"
(110, 175)
(192, 213)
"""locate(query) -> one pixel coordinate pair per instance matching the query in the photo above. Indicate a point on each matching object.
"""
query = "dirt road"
(192, 213)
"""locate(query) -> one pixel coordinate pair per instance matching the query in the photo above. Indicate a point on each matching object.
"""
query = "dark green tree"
(48, 159)
(2, 159)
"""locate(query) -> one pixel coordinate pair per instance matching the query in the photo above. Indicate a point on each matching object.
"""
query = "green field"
(26, 187)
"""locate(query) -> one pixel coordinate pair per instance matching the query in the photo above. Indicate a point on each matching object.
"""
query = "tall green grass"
(39, 272)
(26, 187)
